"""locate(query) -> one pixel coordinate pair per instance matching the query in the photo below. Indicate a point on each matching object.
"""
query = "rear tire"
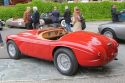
(13, 50)
(65, 61)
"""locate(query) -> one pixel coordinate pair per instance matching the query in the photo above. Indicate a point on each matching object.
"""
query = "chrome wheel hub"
(63, 62)
(108, 34)
(12, 50)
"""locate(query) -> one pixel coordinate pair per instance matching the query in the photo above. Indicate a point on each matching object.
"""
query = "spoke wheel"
(65, 61)
(13, 50)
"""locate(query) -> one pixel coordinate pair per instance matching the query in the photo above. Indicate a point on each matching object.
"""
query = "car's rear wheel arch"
(8, 40)
(58, 47)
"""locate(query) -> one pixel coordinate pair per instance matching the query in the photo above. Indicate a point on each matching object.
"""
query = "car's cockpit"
(52, 34)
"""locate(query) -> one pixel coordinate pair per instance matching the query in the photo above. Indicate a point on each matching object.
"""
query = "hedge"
(91, 10)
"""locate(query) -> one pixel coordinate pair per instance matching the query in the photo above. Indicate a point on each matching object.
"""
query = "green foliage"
(91, 10)
(7, 12)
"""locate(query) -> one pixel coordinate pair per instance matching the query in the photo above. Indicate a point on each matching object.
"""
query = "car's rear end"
(108, 50)
(92, 49)
(15, 22)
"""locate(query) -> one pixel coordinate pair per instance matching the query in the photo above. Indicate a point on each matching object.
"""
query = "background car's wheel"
(65, 61)
(109, 33)
(9, 26)
(42, 22)
(13, 50)
(63, 23)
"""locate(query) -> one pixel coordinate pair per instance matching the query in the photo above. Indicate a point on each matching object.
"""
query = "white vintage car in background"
(19, 22)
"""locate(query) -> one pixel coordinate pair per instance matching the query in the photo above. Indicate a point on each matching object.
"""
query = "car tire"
(109, 33)
(65, 61)
(13, 50)
(10, 26)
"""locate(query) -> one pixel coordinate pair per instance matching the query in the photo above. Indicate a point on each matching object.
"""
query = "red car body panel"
(90, 49)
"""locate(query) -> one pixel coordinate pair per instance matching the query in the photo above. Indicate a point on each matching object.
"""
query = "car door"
(33, 46)
(40, 49)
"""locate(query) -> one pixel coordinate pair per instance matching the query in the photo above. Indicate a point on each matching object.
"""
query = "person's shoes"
(1, 45)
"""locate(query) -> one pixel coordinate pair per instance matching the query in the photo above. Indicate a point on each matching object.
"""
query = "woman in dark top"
(67, 18)
(55, 17)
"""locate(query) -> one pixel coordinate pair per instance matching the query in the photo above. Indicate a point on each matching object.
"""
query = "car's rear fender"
(79, 53)
(58, 47)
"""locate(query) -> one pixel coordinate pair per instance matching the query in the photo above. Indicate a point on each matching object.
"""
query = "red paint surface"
(90, 49)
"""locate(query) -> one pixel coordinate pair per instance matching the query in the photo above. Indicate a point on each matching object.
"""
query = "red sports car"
(66, 50)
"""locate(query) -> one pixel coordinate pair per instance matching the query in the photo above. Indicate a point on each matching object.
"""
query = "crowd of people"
(76, 19)
(32, 20)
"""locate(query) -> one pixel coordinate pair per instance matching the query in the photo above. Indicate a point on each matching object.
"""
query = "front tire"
(13, 50)
(65, 61)
(109, 33)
